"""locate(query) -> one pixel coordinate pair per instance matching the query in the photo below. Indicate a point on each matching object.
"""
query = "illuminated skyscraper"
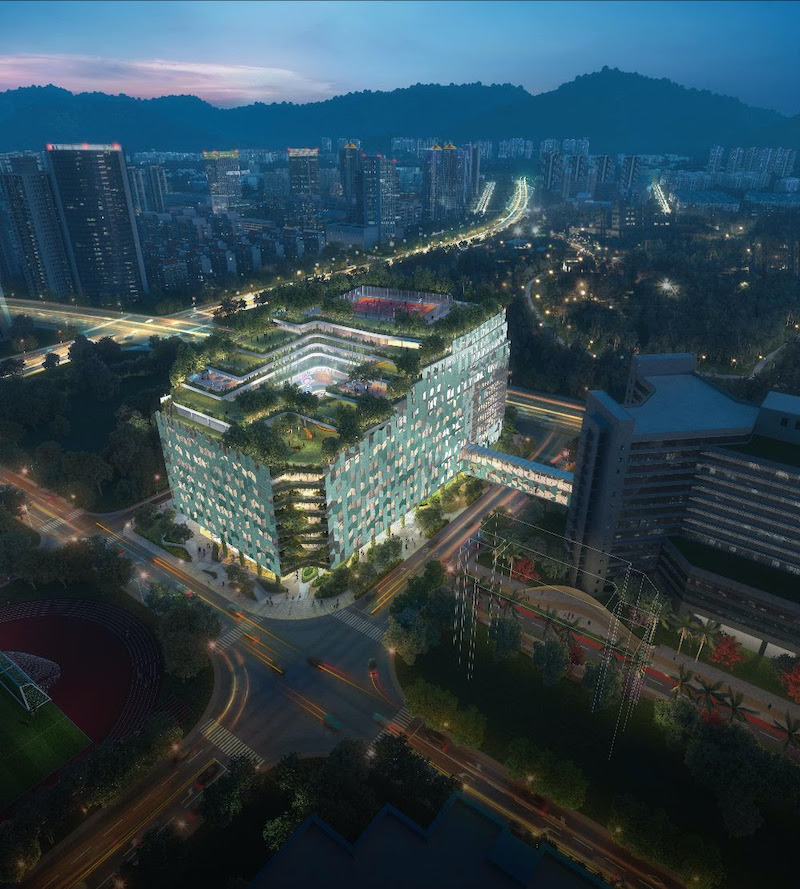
(379, 195)
(94, 203)
(224, 180)
(148, 188)
(35, 230)
(304, 172)
(350, 168)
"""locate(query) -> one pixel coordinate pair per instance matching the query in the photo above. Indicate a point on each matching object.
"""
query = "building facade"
(94, 203)
(35, 229)
(458, 400)
(224, 180)
(681, 466)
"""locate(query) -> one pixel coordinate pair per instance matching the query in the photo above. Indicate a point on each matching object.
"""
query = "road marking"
(233, 635)
(51, 525)
(358, 623)
(402, 719)
(228, 742)
(74, 514)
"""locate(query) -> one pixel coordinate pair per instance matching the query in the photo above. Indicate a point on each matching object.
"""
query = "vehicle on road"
(314, 662)
(208, 775)
(381, 719)
(372, 667)
(332, 722)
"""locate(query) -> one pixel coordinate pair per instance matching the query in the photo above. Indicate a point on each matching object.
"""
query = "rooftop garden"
(746, 571)
(770, 449)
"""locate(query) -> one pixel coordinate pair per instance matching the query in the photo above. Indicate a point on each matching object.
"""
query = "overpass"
(535, 479)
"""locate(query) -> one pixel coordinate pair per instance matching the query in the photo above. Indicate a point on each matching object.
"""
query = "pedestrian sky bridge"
(535, 479)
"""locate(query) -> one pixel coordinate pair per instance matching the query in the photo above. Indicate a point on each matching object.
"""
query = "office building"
(379, 188)
(93, 198)
(304, 172)
(350, 169)
(696, 488)
(36, 239)
(363, 490)
(446, 182)
(224, 180)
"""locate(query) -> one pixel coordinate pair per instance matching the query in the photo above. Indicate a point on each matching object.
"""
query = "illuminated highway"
(551, 409)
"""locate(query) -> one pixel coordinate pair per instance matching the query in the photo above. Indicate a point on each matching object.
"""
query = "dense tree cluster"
(440, 709)
(547, 773)
(420, 614)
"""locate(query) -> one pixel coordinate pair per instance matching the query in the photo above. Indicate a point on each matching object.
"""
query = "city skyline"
(243, 53)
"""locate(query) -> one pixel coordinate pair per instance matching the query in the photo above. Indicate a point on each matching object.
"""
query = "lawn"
(267, 341)
(328, 406)
(305, 451)
(238, 363)
(222, 410)
(517, 704)
(33, 748)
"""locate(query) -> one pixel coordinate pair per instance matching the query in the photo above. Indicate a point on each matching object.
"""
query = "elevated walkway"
(535, 479)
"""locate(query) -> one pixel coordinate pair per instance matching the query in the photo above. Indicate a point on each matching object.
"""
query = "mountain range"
(618, 111)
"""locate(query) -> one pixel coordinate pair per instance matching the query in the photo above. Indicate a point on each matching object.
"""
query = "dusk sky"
(235, 53)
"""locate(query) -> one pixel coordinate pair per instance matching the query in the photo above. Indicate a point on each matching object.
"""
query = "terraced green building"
(324, 508)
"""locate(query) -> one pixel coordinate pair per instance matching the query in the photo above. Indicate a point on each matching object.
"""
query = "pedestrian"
(223, 584)
(769, 706)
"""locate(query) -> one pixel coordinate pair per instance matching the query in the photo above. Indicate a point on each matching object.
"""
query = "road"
(553, 410)
(197, 322)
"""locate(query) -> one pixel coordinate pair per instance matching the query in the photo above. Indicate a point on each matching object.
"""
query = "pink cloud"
(220, 84)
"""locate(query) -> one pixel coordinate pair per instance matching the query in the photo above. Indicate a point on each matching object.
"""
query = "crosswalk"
(57, 522)
(47, 527)
(401, 721)
(233, 635)
(229, 743)
(358, 623)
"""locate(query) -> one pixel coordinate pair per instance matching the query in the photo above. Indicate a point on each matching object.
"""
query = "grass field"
(33, 748)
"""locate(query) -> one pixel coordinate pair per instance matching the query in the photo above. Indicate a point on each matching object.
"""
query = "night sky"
(235, 53)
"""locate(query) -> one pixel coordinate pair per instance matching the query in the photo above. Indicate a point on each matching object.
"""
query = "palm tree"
(708, 695)
(551, 620)
(682, 681)
(567, 631)
(707, 633)
(685, 625)
(791, 728)
(733, 700)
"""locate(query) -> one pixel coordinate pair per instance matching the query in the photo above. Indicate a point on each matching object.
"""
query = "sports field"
(33, 748)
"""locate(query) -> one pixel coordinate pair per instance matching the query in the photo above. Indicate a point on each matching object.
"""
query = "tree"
(225, 798)
(433, 704)
(19, 852)
(708, 695)
(727, 652)
(682, 682)
(707, 633)
(11, 367)
(404, 777)
(51, 360)
(686, 625)
(468, 727)
(734, 701)
(429, 518)
(185, 632)
(611, 691)
(12, 499)
(15, 542)
(161, 597)
(791, 679)
(552, 659)
(547, 773)
(407, 362)
(678, 720)
(524, 570)
(409, 635)
(347, 425)
(790, 727)
(505, 635)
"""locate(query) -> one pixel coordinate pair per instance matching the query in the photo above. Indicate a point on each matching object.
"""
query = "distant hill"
(618, 111)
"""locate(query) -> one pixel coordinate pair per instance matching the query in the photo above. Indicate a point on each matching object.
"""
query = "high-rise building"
(552, 171)
(446, 184)
(471, 158)
(630, 173)
(93, 197)
(35, 230)
(735, 160)
(784, 162)
(549, 146)
(698, 489)
(350, 169)
(715, 156)
(576, 175)
(148, 188)
(304, 172)
(604, 168)
(582, 147)
(569, 146)
(326, 144)
(379, 195)
(224, 180)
